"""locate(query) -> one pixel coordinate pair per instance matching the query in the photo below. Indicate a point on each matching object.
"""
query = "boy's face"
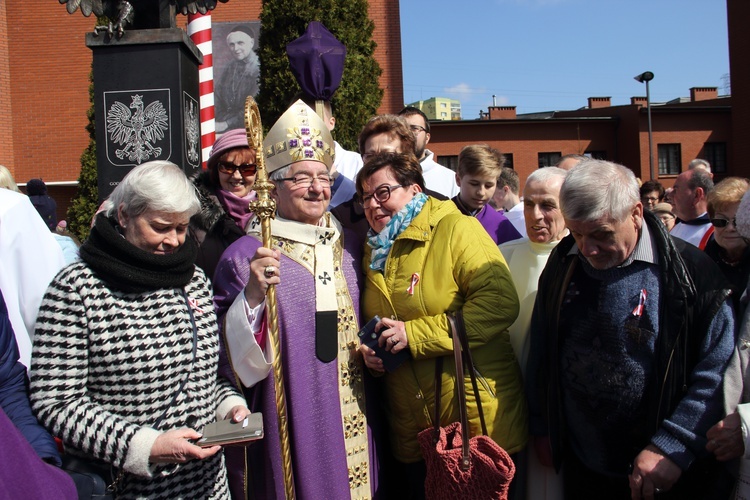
(476, 190)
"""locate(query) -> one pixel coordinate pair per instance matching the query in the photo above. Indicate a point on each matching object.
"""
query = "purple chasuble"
(312, 396)
(495, 223)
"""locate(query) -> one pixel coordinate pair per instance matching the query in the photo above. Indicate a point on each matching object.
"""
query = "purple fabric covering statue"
(312, 387)
(495, 223)
(24, 474)
(317, 61)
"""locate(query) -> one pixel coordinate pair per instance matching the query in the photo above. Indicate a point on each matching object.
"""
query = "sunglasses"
(721, 223)
(246, 169)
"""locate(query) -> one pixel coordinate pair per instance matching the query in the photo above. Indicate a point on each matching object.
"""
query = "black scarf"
(130, 269)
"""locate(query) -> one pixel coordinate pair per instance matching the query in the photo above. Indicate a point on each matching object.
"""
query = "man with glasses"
(436, 177)
(690, 195)
(316, 271)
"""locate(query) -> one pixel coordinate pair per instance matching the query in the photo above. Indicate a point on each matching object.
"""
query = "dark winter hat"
(36, 187)
(235, 138)
(244, 29)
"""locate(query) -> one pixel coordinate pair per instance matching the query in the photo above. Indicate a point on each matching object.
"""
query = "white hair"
(594, 189)
(743, 216)
(158, 185)
(280, 173)
(547, 173)
(700, 163)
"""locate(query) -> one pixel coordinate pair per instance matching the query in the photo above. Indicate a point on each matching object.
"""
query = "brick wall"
(44, 71)
(49, 67)
(6, 123)
(738, 12)
(525, 138)
(620, 132)
(387, 35)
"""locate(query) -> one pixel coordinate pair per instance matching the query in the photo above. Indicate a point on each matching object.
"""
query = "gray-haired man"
(630, 334)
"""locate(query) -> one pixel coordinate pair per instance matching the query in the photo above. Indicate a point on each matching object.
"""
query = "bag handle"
(461, 356)
(118, 479)
(469, 363)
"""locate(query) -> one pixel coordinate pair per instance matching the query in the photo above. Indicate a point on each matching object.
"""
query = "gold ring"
(269, 271)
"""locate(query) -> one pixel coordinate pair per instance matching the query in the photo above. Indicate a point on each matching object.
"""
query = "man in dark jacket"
(14, 398)
(630, 334)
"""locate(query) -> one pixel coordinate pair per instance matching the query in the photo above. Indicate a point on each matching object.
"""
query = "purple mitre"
(317, 61)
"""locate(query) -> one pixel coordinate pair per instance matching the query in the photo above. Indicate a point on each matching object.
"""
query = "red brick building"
(703, 125)
(44, 81)
(698, 127)
(44, 69)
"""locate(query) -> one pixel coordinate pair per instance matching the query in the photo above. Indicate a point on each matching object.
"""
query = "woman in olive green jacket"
(425, 260)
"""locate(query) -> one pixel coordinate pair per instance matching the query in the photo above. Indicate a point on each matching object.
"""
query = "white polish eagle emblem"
(137, 130)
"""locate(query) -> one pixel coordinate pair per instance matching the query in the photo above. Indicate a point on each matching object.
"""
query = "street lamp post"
(647, 76)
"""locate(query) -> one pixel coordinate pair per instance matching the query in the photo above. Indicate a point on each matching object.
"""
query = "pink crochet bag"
(460, 468)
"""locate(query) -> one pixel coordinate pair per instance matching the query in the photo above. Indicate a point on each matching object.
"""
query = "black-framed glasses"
(381, 194)
(722, 223)
(246, 169)
(306, 180)
(417, 129)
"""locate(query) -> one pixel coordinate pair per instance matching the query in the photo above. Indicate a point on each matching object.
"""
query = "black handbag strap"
(461, 357)
(117, 479)
(192, 362)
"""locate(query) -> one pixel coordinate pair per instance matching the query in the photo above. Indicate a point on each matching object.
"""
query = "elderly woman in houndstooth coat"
(126, 349)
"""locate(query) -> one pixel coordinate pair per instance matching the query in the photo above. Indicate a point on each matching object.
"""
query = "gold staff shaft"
(265, 207)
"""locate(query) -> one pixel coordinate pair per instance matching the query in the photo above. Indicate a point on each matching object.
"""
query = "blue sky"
(542, 55)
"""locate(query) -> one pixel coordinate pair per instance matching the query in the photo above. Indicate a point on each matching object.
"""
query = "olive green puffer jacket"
(458, 267)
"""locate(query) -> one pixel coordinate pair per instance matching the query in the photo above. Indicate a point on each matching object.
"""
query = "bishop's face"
(304, 201)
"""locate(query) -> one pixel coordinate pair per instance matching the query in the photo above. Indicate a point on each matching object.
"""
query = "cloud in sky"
(467, 94)
(532, 3)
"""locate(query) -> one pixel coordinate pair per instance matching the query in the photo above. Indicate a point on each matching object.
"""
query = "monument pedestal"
(146, 102)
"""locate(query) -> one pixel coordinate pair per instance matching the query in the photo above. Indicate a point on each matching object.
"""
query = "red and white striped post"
(199, 30)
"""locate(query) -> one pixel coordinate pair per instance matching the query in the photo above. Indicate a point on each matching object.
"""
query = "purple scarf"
(236, 207)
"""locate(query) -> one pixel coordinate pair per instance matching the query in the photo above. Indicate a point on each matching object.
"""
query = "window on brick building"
(548, 159)
(450, 161)
(670, 159)
(596, 155)
(715, 153)
(508, 160)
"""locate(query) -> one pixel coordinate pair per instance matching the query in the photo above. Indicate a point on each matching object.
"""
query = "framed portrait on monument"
(236, 71)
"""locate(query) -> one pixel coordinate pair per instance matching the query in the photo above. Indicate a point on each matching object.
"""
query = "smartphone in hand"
(369, 337)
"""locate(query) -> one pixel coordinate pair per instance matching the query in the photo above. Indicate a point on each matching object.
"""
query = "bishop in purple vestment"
(315, 266)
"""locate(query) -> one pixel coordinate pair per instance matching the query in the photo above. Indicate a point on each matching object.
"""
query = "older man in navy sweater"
(629, 337)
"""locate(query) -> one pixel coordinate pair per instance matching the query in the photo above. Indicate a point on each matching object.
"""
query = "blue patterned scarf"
(381, 242)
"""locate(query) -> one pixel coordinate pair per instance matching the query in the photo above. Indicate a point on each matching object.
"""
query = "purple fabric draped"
(495, 223)
(24, 474)
(317, 61)
(317, 442)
